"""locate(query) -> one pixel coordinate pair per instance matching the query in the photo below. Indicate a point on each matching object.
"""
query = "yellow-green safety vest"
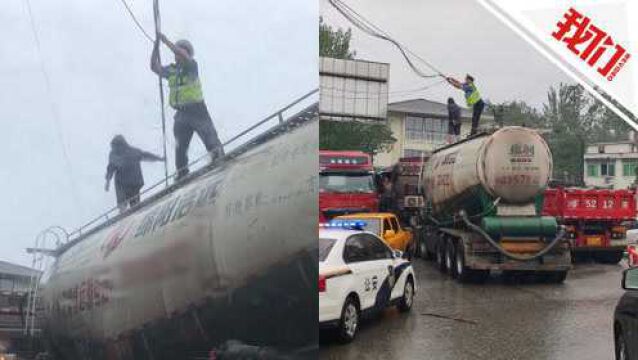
(184, 89)
(473, 97)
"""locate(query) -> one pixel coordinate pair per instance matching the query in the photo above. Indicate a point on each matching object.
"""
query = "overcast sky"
(254, 58)
(457, 37)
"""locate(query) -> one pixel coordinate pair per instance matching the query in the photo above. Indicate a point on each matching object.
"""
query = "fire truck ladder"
(43, 249)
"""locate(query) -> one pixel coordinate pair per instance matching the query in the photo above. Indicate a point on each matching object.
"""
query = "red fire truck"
(346, 184)
(595, 219)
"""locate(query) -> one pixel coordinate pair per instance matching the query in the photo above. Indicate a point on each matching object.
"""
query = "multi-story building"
(420, 126)
(14, 287)
(611, 164)
(353, 90)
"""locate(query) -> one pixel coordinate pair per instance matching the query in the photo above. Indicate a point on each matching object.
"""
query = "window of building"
(413, 153)
(6, 284)
(425, 129)
(607, 169)
(592, 170)
(21, 284)
(601, 149)
(629, 167)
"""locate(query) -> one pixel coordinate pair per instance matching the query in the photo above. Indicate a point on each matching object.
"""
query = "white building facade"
(353, 90)
(611, 165)
(421, 126)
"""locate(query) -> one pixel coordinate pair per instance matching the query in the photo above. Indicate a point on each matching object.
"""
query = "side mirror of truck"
(398, 254)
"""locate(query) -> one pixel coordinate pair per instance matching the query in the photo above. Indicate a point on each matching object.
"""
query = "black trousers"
(477, 110)
(453, 129)
(127, 195)
(190, 119)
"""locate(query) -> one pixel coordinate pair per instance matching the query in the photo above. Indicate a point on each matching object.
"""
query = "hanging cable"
(137, 23)
(158, 27)
(419, 89)
(54, 111)
(371, 29)
(374, 30)
(427, 63)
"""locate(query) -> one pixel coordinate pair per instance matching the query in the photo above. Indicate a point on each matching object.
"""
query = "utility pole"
(156, 17)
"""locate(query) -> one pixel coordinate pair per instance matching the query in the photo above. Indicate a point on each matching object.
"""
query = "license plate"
(594, 241)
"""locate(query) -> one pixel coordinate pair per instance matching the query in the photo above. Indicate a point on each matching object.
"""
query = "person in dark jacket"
(454, 118)
(124, 164)
(387, 200)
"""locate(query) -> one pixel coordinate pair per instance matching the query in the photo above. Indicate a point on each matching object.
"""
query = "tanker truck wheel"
(440, 255)
(553, 277)
(424, 253)
(464, 274)
(450, 263)
(557, 277)
(609, 257)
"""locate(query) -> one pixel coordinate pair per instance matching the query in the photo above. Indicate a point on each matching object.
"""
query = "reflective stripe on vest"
(184, 89)
(474, 96)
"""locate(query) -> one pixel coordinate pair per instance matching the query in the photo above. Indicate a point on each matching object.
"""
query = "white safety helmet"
(186, 45)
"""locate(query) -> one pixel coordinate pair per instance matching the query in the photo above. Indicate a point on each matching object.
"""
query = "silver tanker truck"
(481, 214)
(229, 255)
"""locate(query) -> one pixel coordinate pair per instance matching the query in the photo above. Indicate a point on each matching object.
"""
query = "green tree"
(571, 119)
(348, 135)
(577, 119)
(517, 113)
(334, 43)
(353, 135)
(567, 113)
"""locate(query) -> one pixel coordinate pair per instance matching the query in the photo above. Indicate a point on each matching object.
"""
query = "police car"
(359, 275)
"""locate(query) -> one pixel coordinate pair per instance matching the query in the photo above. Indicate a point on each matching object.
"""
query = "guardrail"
(162, 185)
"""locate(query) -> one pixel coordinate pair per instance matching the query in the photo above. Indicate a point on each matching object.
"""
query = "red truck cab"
(595, 219)
(346, 184)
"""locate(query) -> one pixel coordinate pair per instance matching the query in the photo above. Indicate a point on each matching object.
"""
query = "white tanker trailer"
(481, 209)
(231, 254)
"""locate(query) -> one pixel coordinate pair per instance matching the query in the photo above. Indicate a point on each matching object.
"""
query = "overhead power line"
(371, 29)
(53, 108)
(358, 95)
(137, 23)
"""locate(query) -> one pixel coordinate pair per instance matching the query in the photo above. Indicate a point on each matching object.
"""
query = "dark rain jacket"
(454, 114)
(124, 163)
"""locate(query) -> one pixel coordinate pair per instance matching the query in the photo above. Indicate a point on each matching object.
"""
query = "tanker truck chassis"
(481, 212)
(468, 257)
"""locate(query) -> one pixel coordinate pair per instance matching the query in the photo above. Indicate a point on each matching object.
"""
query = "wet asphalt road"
(501, 319)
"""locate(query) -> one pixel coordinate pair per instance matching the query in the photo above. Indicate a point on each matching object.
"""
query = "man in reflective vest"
(472, 97)
(187, 98)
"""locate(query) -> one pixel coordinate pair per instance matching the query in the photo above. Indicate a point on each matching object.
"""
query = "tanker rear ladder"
(43, 251)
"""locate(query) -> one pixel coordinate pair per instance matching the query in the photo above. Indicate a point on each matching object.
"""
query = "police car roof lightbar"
(345, 224)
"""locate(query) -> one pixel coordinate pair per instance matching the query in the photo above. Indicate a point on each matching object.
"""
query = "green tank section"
(476, 203)
(520, 226)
